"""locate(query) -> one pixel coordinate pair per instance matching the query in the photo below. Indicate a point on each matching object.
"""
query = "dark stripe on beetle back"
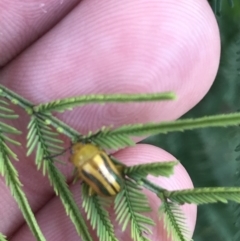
(111, 171)
(102, 189)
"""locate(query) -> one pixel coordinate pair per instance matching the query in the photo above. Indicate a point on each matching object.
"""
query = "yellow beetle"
(96, 169)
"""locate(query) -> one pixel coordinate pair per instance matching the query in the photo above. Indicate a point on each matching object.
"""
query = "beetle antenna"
(59, 154)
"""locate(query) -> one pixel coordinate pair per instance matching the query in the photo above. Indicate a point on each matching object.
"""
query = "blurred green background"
(209, 155)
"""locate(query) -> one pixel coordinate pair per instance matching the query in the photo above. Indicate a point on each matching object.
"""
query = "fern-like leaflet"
(155, 169)
(2, 237)
(70, 103)
(174, 221)
(129, 204)
(10, 173)
(94, 207)
(44, 139)
(205, 195)
(40, 136)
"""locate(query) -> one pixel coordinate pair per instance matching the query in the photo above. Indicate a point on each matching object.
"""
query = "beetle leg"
(119, 168)
(75, 175)
(90, 191)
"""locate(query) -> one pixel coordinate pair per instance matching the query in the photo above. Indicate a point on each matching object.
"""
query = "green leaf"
(6, 129)
(60, 126)
(118, 138)
(5, 112)
(40, 137)
(8, 116)
(11, 177)
(61, 189)
(178, 125)
(94, 207)
(14, 98)
(10, 140)
(3, 102)
(44, 159)
(4, 109)
(2, 237)
(205, 195)
(129, 205)
(155, 168)
(9, 129)
(174, 221)
(102, 139)
(8, 151)
(69, 103)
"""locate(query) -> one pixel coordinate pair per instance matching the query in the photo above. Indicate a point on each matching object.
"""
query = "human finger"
(162, 44)
(23, 22)
(57, 226)
(122, 47)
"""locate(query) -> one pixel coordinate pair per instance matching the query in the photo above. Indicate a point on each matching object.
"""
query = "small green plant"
(130, 204)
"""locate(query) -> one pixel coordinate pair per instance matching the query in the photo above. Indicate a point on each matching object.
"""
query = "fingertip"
(143, 153)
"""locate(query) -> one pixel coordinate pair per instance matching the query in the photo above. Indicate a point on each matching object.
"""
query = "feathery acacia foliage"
(61, 189)
(178, 125)
(205, 195)
(47, 144)
(174, 221)
(104, 140)
(129, 204)
(120, 137)
(155, 169)
(69, 103)
(42, 138)
(2, 237)
(6, 112)
(94, 207)
(10, 173)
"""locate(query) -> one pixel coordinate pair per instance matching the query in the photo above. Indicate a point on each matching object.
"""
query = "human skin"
(67, 48)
